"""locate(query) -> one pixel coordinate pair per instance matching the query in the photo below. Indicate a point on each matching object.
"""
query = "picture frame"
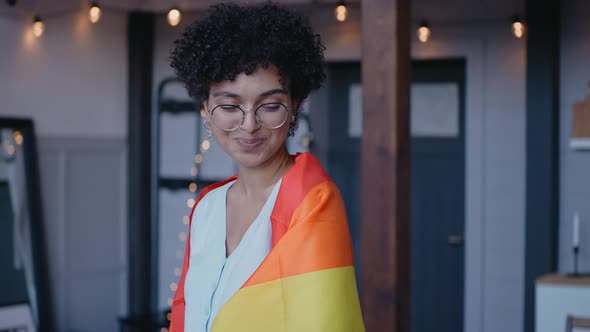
(580, 136)
(24, 260)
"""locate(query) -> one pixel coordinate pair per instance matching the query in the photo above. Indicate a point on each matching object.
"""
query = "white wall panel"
(83, 184)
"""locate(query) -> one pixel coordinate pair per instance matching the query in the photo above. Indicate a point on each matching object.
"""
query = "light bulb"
(38, 27)
(518, 28)
(174, 17)
(190, 202)
(205, 145)
(423, 32)
(18, 138)
(341, 12)
(198, 158)
(94, 13)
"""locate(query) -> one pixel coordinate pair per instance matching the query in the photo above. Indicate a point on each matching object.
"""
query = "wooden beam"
(385, 222)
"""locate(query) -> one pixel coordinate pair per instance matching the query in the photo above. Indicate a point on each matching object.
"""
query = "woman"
(268, 249)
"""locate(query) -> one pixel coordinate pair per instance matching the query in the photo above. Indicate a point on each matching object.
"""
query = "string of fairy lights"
(424, 31)
(173, 17)
(95, 12)
(341, 13)
(192, 187)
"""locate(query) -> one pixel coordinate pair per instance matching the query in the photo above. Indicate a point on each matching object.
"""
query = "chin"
(249, 160)
(255, 158)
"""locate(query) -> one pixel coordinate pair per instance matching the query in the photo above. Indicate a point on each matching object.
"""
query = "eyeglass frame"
(245, 111)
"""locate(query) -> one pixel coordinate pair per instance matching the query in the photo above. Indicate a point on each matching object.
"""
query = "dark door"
(345, 149)
(438, 159)
(438, 194)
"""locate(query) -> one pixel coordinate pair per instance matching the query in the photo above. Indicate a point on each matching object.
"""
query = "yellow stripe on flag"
(320, 301)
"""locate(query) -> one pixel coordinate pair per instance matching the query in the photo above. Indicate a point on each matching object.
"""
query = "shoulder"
(323, 197)
(214, 195)
(310, 191)
(213, 187)
(305, 175)
(208, 192)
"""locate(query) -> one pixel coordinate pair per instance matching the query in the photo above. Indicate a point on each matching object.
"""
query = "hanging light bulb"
(18, 137)
(423, 32)
(341, 12)
(95, 12)
(38, 26)
(205, 145)
(518, 27)
(174, 17)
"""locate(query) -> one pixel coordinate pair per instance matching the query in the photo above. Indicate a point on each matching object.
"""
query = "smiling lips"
(249, 144)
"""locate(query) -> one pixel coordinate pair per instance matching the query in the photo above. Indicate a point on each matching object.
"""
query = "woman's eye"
(229, 107)
(271, 107)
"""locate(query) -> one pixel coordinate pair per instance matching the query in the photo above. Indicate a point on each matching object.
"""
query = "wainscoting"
(83, 184)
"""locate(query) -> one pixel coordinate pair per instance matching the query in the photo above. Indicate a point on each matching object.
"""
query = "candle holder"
(576, 254)
(576, 271)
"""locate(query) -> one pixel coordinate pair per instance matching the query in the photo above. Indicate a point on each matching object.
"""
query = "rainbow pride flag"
(307, 281)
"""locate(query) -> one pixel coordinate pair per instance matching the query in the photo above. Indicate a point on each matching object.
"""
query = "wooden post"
(385, 222)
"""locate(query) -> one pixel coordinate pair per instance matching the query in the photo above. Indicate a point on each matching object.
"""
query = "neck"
(256, 180)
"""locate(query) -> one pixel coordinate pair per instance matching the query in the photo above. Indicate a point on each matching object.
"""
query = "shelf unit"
(165, 223)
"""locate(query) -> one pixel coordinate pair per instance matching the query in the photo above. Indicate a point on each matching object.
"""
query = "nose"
(250, 124)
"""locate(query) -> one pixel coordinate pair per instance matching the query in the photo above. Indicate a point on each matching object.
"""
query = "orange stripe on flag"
(317, 239)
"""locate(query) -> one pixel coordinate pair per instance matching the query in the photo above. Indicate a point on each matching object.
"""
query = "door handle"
(455, 240)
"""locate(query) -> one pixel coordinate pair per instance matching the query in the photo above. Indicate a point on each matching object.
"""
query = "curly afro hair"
(234, 39)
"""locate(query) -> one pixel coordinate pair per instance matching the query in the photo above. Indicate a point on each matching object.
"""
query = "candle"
(576, 235)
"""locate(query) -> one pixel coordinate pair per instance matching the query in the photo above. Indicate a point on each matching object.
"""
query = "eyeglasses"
(231, 117)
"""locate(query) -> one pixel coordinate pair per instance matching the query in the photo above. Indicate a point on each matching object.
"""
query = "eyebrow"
(264, 94)
(273, 92)
(225, 94)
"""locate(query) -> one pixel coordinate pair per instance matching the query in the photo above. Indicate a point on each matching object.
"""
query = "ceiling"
(433, 10)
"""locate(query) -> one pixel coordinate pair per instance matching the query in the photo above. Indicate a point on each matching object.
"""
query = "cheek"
(219, 135)
(280, 136)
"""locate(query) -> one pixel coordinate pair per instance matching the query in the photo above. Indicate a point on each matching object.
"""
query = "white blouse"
(212, 279)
